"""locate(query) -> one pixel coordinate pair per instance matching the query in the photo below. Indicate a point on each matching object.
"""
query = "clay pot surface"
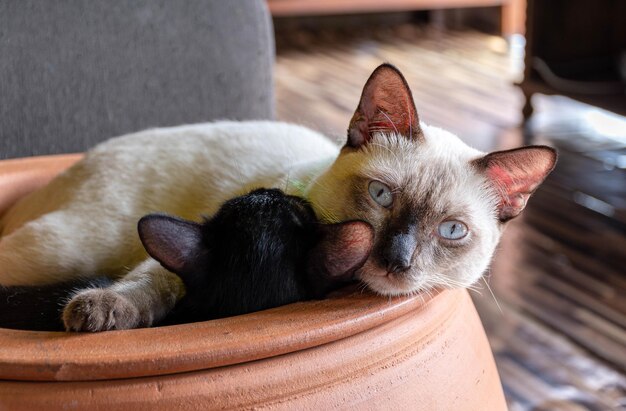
(358, 351)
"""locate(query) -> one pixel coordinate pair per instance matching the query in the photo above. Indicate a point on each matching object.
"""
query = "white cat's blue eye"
(380, 193)
(452, 230)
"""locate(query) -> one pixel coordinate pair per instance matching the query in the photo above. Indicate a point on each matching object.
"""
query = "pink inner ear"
(514, 191)
(355, 240)
(386, 105)
(345, 247)
(516, 174)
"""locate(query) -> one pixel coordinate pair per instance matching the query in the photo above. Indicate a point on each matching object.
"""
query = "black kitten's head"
(260, 250)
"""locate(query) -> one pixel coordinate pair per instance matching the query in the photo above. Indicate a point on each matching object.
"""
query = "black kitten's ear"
(516, 174)
(342, 249)
(172, 241)
(386, 105)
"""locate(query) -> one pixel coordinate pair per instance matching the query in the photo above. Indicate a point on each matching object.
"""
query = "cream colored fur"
(84, 222)
(440, 164)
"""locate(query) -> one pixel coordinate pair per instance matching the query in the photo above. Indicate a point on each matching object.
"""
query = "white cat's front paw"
(100, 310)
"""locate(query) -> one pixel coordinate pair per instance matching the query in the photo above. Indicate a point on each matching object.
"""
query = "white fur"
(84, 222)
(441, 163)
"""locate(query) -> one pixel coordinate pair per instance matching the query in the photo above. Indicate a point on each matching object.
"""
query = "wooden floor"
(558, 330)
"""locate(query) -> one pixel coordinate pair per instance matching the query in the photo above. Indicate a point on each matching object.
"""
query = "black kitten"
(261, 250)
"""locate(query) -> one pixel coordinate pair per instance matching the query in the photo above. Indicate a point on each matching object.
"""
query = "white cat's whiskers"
(492, 294)
(389, 118)
(438, 172)
(451, 283)
(475, 290)
(421, 296)
(425, 293)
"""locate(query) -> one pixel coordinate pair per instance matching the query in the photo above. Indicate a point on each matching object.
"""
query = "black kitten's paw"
(100, 310)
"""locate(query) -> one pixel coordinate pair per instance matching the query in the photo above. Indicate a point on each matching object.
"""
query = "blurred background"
(501, 74)
(498, 73)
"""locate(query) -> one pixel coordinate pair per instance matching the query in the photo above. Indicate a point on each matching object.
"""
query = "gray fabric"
(75, 72)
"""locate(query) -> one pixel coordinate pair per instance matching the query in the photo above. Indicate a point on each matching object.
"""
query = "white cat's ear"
(342, 249)
(516, 174)
(172, 241)
(386, 105)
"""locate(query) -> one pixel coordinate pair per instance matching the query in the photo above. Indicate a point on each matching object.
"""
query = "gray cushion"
(75, 72)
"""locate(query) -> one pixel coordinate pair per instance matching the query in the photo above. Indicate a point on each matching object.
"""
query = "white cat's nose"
(398, 255)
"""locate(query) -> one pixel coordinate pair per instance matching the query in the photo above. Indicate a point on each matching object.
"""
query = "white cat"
(438, 207)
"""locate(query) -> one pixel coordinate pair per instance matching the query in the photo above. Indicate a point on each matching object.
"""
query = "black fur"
(40, 308)
(259, 251)
(255, 254)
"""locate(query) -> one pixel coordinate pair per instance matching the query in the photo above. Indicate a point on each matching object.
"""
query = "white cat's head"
(438, 207)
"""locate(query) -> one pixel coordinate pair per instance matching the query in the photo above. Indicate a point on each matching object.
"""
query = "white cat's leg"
(49, 249)
(141, 298)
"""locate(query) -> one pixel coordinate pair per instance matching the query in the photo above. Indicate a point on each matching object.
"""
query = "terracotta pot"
(358, 351)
